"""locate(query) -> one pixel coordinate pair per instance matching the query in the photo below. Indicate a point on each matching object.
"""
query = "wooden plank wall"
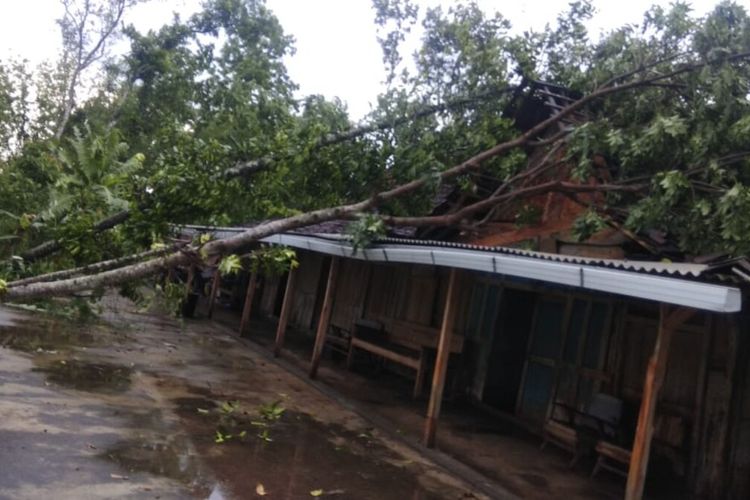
(712, 454)
(271, 286)
(695, 429)
(387, 292)
(351, 291)
(415, 294)
(380, 292)
(303, 304)
(422, 288)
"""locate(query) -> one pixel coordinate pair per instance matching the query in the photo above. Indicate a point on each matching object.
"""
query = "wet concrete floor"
(140, 405)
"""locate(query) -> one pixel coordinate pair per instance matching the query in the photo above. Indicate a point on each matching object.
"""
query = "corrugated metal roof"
(665, 268)
(676, 290)
(687, 270)
(684, 269)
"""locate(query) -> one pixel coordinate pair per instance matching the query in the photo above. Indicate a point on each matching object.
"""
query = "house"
(544, 334)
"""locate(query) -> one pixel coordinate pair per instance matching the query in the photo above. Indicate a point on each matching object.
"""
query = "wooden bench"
(612, 458)
(406, 344)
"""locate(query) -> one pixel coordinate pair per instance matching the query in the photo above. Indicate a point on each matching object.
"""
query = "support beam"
(190, 279)
(286, 307)
(669, 320)
(325, 317)
(215, 284)
(441, 361)
(247, 309)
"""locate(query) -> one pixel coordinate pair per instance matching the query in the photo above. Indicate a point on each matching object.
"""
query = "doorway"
(508, 350)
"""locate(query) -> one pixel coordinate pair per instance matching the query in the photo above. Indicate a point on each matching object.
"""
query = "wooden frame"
(485, 346)
(541, 359)
(247, 309)
(558, 364)
(669, 320)
(215, 284)
(286, 307)
(441, 360)
(325, 317)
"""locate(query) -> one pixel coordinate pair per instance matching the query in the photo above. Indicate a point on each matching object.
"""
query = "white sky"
(337, 51)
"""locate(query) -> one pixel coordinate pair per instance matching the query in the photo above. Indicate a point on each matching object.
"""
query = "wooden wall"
(380, 292)
(351, 291)
(681, 402)
(387, 293)
(271, 286)
(702, 430)
(415, 294)
(310, 273)
(703, 420)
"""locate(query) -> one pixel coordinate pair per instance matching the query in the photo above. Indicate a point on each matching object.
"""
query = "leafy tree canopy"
(199, 122)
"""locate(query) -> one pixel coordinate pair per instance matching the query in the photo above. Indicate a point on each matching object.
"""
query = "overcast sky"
(337, 52)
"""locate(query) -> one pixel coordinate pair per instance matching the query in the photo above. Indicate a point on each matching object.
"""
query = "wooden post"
(215, 284)
(325, 317)
(669, 321)
(286, 306)
(441, 361)
(189, 280)
(248, 307)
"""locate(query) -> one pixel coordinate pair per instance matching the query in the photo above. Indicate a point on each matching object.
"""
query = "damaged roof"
(735, 270)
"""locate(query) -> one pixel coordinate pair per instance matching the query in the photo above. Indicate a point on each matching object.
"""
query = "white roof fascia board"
(687, 293)
(671, 290)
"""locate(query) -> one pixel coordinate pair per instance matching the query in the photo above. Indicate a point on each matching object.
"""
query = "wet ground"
(496, 451)
(140, 405)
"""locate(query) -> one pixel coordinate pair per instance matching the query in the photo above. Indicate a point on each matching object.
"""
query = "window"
(566, 357)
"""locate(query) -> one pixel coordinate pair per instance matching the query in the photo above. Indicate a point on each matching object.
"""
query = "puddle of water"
(8, 317)
(298, 455)
(83, 376)
(43, 336)
(174, 458)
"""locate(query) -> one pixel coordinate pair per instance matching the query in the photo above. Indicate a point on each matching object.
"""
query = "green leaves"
(587, 224)
(229, 265)
(671, 126)
(271, 412)
(365, 230)
(673, 184)
(274, 260)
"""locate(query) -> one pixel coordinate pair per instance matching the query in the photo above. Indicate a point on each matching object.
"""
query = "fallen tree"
(640, 77)
(248, 168)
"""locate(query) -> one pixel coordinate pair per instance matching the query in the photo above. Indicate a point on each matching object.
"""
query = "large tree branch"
(610, 87)
(52, 246)
(254, 166)
(243, 240)
(518, 194)
(247, 168)
(97, 267)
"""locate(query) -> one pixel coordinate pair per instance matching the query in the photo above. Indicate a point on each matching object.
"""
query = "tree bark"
(89, 269)
(52, 246)
(106, 279)
(242, 240)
